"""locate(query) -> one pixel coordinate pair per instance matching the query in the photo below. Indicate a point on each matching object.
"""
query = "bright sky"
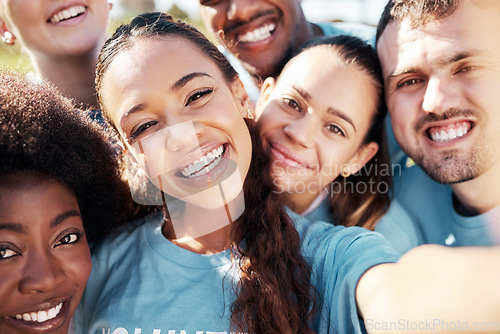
(367, 11)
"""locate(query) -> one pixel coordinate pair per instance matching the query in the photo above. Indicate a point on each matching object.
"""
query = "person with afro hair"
(60, 185)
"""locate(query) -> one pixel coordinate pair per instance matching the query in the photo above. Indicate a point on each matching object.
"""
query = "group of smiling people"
(240, 226)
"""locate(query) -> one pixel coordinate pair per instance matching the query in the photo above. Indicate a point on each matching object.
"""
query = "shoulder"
(400, 228)
(120, 245)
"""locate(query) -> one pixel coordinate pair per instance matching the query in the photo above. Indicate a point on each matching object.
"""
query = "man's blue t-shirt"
(435, 220)
(143, 283)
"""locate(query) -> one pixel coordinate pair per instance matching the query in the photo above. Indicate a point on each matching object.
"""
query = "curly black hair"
(42, 133)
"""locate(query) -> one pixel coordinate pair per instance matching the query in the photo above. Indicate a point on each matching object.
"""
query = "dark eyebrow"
(340, 114)
(305, 95)
(14, 227)
(185, 79)
(455, 57)
(176, 86)
(406, 71)
(62, 217)
(134, 109)
(458, 56)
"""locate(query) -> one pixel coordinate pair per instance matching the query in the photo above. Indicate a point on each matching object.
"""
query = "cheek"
(78, 266)
(9, 278)
(271, 119)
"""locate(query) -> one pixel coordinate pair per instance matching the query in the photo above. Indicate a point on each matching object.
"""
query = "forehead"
(153, 64)
(471, 28)
(321, 68)
(157, 54)
(329, 81)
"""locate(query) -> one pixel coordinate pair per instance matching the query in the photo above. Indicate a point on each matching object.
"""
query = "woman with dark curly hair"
(59, 187)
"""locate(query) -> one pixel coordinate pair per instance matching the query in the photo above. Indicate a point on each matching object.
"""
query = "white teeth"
(448, 135)
(444, 135)
(258, 34)
(205, 164)
(40, 316)
(67, 14)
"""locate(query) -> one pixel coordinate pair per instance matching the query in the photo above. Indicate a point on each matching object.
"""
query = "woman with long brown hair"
(219, 259)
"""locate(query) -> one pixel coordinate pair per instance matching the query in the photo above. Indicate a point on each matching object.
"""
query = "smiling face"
(57, 28)
(442, 82)
(314, 121)
(262, 33)
(44, 257)
(182, 121)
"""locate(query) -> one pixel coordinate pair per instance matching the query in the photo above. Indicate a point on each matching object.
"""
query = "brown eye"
(141, 129)
(291, 103)
(70, 238)
(198, 95)
(335, 129)
(6, 253)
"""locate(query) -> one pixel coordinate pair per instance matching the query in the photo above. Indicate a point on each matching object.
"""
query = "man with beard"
(441, 67)
(264, 34)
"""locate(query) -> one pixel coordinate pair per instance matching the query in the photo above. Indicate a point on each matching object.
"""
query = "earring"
(345, 172)
(8, 38)
(249, 114)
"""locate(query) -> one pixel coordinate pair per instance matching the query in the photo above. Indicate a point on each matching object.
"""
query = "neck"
(479, 195)
(300, 202)
(74, 76)
(305, 32)
(201, 230)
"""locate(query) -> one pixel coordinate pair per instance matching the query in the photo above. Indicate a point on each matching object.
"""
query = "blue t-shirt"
(143, 283)
(394, 225)
(435, 221)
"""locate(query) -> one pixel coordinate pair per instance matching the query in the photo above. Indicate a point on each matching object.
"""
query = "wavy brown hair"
(274, 294)
(350, 206)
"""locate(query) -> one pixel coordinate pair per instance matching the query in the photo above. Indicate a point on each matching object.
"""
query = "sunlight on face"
(314, 120)
(182, 121)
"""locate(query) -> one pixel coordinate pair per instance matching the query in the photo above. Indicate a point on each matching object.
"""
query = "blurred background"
(365, 11)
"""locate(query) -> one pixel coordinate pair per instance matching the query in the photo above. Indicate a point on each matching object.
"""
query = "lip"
(67, 5)
(207, 180)
(260, 22)
(42, 327)
(447, 123)
(281, 154)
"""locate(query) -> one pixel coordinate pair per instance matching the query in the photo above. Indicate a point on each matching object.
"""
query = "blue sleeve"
(339, 256)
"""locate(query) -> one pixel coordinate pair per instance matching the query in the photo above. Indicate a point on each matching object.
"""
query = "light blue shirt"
(396, 225)
(143, 283)
(435, 220)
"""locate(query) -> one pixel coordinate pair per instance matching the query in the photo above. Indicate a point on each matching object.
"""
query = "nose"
(42, 273)
(440, 96)
(301, 131)
(183, 134)
(240, 10)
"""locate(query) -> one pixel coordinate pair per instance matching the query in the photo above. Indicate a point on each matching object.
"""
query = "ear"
(241, 96)
(7, 37)
(362, 156)
(265, 92)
